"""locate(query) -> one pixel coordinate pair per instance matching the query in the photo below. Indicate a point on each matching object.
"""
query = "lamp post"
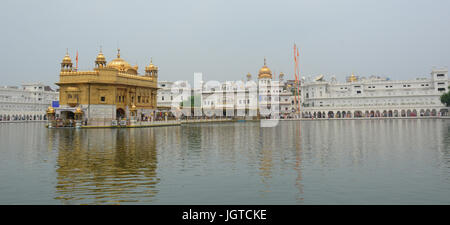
(50, 116)
(133, 112)
(78, 117)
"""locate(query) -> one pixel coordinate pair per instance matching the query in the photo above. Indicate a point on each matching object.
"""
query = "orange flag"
(295, 61)
(77, 60)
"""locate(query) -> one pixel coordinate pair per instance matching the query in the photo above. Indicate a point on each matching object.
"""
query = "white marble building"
(234, 98)
(245, 99)
(374, 97)
(230, 98)
(171, 94)
(28, 102)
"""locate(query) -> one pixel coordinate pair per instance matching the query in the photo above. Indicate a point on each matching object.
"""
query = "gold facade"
(116, 84)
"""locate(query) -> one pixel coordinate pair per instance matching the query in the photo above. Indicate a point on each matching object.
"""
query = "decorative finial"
(151, 60)
(100, 49)
(264, 60)
(67, 51)
(118, 53)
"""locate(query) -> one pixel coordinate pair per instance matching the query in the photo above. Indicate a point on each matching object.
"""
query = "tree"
(445, 99)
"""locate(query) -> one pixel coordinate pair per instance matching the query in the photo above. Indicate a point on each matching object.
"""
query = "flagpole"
(299, 82)
(295, 72)
(77, 61)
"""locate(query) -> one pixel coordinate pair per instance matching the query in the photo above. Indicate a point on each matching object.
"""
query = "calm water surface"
(307, 162)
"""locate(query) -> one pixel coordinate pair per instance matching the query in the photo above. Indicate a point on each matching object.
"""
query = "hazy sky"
(226, 39)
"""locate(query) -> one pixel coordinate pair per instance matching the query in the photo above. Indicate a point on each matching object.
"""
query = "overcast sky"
(226, 39)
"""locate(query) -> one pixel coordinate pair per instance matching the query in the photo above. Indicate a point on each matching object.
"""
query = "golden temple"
(111, 91)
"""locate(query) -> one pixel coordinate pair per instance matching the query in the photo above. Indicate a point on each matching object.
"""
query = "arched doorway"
(422, 112)
(403, 113)
(408, 113)
(433, 112)
(330, 114)
(68, 115)
(120, 114)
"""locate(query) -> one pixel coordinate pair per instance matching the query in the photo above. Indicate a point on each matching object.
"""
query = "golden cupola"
(100, 61)
(353, 78)
(121, 65)
(265, 72)
(249, 76)
(151, 70)
(50, 110)
(66, 64)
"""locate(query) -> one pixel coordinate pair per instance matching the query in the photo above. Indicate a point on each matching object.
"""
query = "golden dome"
(100, 57)
(50, 110)
(67, 59)
(353, 78)
(119, 64)
(265, 72)
(133, 108)
(151, 66)
(100, 61)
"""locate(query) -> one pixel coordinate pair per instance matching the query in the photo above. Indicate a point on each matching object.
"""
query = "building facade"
(171, 94)
(111, 91)
(241, 99)
(374, 97)
(28, 102)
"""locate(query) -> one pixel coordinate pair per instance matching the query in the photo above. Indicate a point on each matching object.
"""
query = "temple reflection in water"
(105, 166)
(242, 163)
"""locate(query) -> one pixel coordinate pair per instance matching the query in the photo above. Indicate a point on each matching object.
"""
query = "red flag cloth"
(295, 61)
(298, 68)
(77, 60)
(295, 55)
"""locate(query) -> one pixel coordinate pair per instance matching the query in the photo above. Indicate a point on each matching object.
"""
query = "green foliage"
(445, 99)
